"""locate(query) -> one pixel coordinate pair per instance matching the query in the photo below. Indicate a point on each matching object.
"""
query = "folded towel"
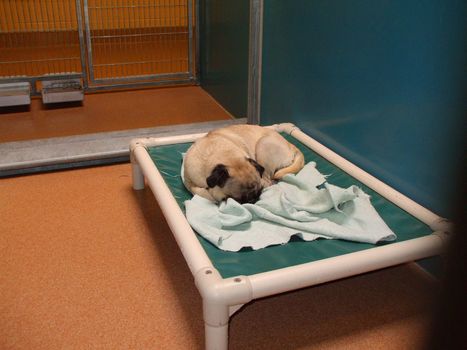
(303, 204)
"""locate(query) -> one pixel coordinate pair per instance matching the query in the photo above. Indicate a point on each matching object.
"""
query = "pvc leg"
(138, 177)
(216, 338)
(216, 325)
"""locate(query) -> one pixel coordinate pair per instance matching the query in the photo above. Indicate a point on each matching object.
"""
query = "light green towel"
(304, 205)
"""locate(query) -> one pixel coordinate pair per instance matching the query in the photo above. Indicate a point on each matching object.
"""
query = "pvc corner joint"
(228, 292)
(136, 143)
(286, 127)
(443, 228)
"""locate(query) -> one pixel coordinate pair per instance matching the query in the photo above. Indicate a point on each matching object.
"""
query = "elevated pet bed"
(228, 280)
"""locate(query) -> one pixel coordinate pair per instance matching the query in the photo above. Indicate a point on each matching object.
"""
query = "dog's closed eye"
(258, 167)
(218, 177)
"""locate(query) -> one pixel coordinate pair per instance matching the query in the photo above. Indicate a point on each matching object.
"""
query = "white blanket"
(303, 204)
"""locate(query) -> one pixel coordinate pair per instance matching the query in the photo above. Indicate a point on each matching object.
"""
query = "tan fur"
(232, 146)
(293, 168)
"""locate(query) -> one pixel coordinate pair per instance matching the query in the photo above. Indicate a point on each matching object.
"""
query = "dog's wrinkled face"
(240, 180)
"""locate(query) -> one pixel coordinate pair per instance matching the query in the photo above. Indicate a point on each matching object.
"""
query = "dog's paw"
(266, 182)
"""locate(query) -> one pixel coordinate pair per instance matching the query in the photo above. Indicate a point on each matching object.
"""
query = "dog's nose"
(251, 197)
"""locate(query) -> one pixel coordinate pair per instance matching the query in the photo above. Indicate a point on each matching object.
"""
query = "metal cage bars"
(40, 40)
(142, 42)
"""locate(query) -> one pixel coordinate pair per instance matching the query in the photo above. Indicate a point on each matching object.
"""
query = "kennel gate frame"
(90, 84)
(32, 80)
(222, 297)
(129, 81)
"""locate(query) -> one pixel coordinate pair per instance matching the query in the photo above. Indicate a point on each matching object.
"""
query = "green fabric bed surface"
(168, 160)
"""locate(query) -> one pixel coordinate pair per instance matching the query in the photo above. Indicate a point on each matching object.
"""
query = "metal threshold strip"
(59, 153)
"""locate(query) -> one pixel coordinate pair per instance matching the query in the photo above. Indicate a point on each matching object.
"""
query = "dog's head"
(239, 179)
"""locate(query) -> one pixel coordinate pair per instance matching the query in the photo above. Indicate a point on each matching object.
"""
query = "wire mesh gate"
(40, 40)
(106, 43)
(139, 39)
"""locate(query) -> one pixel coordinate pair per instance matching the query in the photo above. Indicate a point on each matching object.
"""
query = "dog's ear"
(257, 166)
(218, 177)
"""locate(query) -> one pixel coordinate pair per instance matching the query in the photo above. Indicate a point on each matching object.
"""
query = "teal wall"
(381, 82)
(224, 31)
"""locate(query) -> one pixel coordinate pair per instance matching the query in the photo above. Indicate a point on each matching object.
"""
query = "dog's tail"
(297, 164)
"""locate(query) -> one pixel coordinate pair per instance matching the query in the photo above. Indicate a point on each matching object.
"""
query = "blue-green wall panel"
(224, 37)
(381, 82)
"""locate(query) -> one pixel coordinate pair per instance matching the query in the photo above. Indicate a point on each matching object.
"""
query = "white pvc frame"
(223, 297)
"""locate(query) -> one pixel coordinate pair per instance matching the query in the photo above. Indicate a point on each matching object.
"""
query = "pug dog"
(237, 162)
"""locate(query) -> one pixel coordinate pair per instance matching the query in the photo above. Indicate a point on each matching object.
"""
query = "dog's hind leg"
(295, 167)
(278, 157)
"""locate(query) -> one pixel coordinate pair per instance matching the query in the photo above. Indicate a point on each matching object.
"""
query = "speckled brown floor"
(87, 263)
(110, 111)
